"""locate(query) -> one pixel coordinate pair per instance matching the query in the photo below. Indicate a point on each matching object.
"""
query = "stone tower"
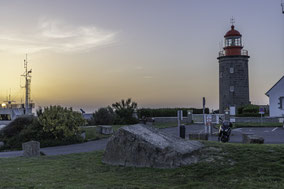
(233, 72)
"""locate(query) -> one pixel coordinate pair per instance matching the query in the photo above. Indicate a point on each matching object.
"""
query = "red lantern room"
(233, 44)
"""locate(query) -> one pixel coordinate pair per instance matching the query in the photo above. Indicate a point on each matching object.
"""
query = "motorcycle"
(225, 131)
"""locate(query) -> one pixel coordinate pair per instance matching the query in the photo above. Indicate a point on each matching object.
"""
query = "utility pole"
(27, 77)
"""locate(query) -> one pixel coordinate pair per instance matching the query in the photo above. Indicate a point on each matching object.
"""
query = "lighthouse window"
(232, 88)
(231, 70)
(281, 102)
(229, 42)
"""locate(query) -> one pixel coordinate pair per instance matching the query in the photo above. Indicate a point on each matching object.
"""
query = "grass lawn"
(223, 166)
(238, 125)
(165, 125)
(91, 133)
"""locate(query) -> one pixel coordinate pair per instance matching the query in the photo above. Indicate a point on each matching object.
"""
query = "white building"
(276, 99)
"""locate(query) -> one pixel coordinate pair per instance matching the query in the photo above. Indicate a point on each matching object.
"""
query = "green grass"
(91, 133)
(238, 125)
(223, 166)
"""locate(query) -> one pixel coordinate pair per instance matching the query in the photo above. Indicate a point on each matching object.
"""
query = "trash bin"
(182, 131)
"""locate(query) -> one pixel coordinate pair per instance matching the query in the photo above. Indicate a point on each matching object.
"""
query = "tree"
(125, 110)
(104, 116)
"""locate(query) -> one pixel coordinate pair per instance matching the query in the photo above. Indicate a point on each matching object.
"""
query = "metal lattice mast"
(27, 84)
(282, 4)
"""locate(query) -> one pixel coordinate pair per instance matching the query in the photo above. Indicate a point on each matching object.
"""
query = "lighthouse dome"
(232, 32)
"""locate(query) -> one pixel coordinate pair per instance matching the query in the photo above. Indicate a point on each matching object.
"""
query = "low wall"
(198, 118)
(257, 120)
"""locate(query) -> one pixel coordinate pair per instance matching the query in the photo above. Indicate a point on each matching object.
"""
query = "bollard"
(182, 131)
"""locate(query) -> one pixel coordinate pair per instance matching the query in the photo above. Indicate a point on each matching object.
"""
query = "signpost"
(204, 118)
(232, 114)
(179, 116)
(261, 112)
(209, 123)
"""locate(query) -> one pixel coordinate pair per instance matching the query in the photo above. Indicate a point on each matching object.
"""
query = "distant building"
(276, 99)
(233, 72)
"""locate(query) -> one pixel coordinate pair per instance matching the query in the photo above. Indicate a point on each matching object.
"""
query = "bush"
(18, 131)
(60, 123)
(54, 126)
(16, 126)
(249, 111)
(104, 116)
(125, 110)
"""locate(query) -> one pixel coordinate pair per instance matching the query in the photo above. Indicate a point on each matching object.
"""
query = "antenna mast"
(27, 86)
(282, 4)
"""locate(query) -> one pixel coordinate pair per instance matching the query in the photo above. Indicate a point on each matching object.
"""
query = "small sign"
(232, 110)
(261, 110)
(208, 120)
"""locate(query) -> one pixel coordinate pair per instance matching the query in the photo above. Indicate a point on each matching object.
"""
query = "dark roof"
(273, 86)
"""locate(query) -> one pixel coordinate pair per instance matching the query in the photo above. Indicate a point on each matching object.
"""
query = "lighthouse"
(233, 72)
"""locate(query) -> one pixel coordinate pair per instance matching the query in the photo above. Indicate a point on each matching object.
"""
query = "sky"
(161, 53)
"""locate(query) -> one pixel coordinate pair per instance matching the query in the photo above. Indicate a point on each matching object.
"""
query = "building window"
(232, 89)
(221, 74)
(281, 102)
(231, 70)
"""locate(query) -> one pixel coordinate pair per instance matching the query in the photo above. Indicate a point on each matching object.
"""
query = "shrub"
(125, 110)
(19, 131)
(60, 123)
(104, 116)
(16, 126)
(53, 126)
(249, 111)
(167, 112)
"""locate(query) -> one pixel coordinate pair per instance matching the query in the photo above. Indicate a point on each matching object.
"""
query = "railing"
(243, 53)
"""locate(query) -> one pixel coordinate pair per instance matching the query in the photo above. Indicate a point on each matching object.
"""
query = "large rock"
(106, 130)
(145, 146)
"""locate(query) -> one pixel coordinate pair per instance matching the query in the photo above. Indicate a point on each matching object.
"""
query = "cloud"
(56, 36)
(138, 68)
(148, 77)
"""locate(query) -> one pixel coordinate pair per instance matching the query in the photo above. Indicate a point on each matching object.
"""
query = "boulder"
(31, 149)
(249, 138)
(145, 146)
(106, 130)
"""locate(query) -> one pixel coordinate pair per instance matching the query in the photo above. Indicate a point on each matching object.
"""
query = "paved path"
(61, 150)
(271, 135)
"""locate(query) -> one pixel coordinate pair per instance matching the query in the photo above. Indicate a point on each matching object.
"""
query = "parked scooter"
(225, 131)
